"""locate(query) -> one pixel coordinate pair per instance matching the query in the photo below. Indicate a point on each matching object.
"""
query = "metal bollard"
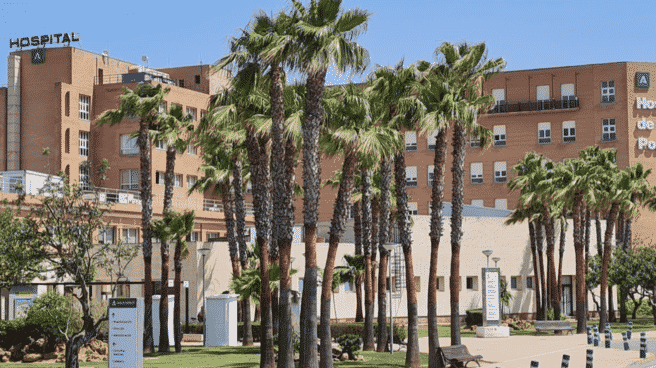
(607, 342)
(588, 358)
(596, 338)
(626, 341)
(609, 330)
(628, 333)
(565, 363)
(534, 364)
(643, 345)
(589, 331)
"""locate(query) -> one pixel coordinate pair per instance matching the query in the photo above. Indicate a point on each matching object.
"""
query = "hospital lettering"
(44, 39)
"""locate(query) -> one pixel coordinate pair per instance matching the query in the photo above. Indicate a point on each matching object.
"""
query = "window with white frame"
(129, 236)
(544, 133)
(472, 283)
(130, 179)
(567, 96)
(191, 181)
(106, 235)
(431, 137)
(129, 145)
(84, 144)
(608, 91)
(477, 203)
(474, 142)
(543, 97)
(516, 282)
(160, 144)
(608, 130)
(476, 171)
(413, 209)
(410, 141)
(431, 175)
(411, 176)
(85, 102)
(192, 150)
(500, 172)
(499, 100)
(529, 282)
(569, 132)
(85, 180)
(177, 180)
(160, 177)
(501, 204)
(499, 132)
(193, 236)
(191, 111)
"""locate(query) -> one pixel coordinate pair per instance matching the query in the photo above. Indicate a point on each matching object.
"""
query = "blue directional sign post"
(126, 332)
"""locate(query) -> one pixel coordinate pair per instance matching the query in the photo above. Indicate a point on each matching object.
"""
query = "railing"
(146, 77)
(214, 205)
(122, 196)
(541, 105)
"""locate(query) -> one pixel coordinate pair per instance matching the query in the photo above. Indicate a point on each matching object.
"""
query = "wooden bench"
(458, 356)
(553, 326)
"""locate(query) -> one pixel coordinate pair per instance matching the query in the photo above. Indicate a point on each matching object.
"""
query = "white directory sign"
(126, 333)
(492, 296)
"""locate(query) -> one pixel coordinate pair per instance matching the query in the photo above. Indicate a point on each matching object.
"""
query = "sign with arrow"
(126, 332)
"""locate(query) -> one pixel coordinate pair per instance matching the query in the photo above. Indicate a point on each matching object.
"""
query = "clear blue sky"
(528, 34)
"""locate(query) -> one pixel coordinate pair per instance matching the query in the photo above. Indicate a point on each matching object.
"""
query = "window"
(543, 97)
(160, 144)
(106, 235)
(500, 172)
(85, 180)
(544, 133)
(67, 141)
(432, 139)
(472, 283)
(440, 283)
(499, 135)
(191, 180)
(129, 236)
(410, 141)
(411, 176)
(515, 282)
(349, 287)
(129, 145)
(499, 100)
(412, 209)
(608, 133)
(249, 188)
(177, 181)
(501, 204)
(567, 96)
(529, 282)
(192, 112)
(569, 132)
(157, 287)
(123, 291)
(477, 203)
(84, 107)
(197, 78)
(159, 178)
(608, 91)
(212, 236)
(84, 144)
(67, 104)
(181, 82)
(130, 179)
(191, 150)
(300, 285)
(418, 284)
(431, 175)
(193, 236)
(162, 108)
(476, 170)
(474, 142)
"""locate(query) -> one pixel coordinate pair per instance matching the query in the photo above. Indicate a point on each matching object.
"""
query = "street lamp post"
(496, 259)
(203, 252)
(389, 247)
(488, 253)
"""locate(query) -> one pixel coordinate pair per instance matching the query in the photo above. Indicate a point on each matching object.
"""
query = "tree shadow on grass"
(240, 350)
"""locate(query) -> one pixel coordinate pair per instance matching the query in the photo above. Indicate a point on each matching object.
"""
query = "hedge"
(474, 317)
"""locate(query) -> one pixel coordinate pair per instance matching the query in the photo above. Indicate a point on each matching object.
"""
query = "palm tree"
(322, 26)
(144, 104)
(171, 130)
(383, 236)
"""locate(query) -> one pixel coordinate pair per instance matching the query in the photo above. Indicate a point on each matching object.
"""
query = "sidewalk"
(548, 350)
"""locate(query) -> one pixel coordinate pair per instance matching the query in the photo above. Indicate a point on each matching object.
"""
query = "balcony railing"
(541, 105)
(214, 205)
(141, 77)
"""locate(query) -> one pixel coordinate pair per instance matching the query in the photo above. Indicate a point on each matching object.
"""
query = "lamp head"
(487, 252)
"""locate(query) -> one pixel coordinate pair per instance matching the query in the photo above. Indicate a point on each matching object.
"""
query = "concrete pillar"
(13, 113)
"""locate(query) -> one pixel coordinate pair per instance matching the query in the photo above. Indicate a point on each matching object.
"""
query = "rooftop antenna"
(201, 59)
(145, 58)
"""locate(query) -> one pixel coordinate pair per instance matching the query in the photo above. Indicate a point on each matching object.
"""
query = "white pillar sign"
(126, 332)
(491, 301)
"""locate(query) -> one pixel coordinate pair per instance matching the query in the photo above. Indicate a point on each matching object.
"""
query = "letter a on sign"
(642, 80)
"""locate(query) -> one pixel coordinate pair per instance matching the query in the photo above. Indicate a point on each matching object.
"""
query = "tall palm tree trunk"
(368, 343)
(561, 252)
(551, 264)
(177, 298)
(337, 228)
(456, 227)
(608, 236)
(164, 252)
(146, 217)
(540, 245)
(536, 272)
(587, 255)
(240, 218)
(412, 353)
(383, 235)
(357, 229)
(436, 229)
(375, 212)
(581, 294)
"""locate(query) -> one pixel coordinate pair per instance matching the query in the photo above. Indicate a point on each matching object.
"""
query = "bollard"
(565, 363)
(534, 364)
(626, 341)
(596, 338)
(607, 342)
(643, 345)
(589, 331)
(588, 358)
(628, 333)
(609, 330)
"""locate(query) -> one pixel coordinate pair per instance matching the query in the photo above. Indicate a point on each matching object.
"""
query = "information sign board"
(491, 299)
(126, 332)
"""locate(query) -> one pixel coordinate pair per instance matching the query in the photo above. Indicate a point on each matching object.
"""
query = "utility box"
(156, 324)
(221, 321)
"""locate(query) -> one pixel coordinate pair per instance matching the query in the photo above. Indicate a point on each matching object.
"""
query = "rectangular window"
(159, 178)
(499, 135)
(567, 96)
(569, 132)
(410, 141)
(413, 209)
(85, 180)
(85, 102)
(431, 137)
(418, 284)
(197, 78)
(608, 91)
(544, 133)
(500, 172)
(515, 282)
(191, 150)
(129, 145)
(212, 236)
(181, 83)
(160, 145)
(130, 179)
(177, 180)
(529, 282)
(193, 236)
(543, 97)
(411, 176)
(431, 175)
(300, 285)
(608, 132)
(123, 291)
(478, 203)
(129, 236)
(474, 142)
(191, 181)
(191, 111)
(106, 235)
(476, 171)
(84, 144)
(472, 283)
(440, 283)
(501, 204)
(499, 100)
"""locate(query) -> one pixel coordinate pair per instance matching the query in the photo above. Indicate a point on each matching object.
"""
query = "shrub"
(550, 315)
(15, 332)
(474, 317)
(339, 329)
(52, 314)
(350, 344)
(240, 331)
(644, 310)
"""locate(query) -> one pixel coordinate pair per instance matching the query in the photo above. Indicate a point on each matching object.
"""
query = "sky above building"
(527, 34)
